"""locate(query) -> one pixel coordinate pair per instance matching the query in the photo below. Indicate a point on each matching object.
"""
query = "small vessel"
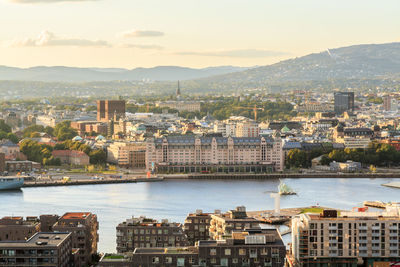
(11, 182)
(284, 189)
(375, 204)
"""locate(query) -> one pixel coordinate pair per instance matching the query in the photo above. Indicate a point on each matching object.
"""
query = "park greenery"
(222, 109)
(376, 154)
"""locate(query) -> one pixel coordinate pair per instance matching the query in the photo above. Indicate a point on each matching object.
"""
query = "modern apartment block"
(110, 110)
(346, 238)
(42, 249)
(214, 154)
(145, 232)
(223, 225)
(17, 229)
(253, 247)
(197, 226)
(84, 227)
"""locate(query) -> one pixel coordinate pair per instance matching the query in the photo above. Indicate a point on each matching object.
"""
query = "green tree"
(98, 157)
(5, 127)
(13, 138)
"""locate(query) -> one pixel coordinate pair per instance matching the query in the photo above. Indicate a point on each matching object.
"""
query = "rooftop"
(75, 215)
(39, 240)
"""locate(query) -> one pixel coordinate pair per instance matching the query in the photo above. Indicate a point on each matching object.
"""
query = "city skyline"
(243, 33)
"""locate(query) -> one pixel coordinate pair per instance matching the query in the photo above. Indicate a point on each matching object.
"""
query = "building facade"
(127, 154)
(144, 232)
(17, 228)
(197, 226)
(344, 101)
(346, 239)
(214, 154)
(110, 110)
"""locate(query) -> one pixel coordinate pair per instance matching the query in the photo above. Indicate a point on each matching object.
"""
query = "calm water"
(174, 199)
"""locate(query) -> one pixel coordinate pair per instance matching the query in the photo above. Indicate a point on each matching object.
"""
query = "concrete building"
(389, 103)
(223, 225)
(16, 228)
(110, 110)
(247, 129)
(71, 157)
(127, 154)
(144, 232)
(42, 249)
(251, 247)
(214, 154)
(84, 227)
(344, 101)
(197, 226)
(346, 238)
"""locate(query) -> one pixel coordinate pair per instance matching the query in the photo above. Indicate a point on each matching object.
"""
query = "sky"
(190, 33)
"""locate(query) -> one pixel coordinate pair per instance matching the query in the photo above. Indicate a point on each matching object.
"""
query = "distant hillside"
(352, 62)
(70, 74)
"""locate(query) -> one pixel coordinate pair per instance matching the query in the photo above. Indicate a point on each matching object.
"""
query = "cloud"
(250, 53)
(47, 38)
(142, 46)
(140, 33)
(46, 1)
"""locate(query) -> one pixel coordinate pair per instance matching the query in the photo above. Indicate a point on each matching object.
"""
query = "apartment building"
(191, 106)
(145, 232)
(252, 247)
(214, 154)
(17, 229)
(222, 225)
(247, 128)
(127, 154)
(42, 249)
(196, 226)
(346, 238)
(84, 227)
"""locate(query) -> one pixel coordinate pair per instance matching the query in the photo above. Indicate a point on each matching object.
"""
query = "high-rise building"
(197, 226)
(110, 109)
(84, 227)
(346, 238)
(344, 101)
(389, 103)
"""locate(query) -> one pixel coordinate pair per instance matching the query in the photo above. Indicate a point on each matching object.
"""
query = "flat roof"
(38, 240)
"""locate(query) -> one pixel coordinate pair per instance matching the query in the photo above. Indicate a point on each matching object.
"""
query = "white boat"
(285, 189)
(11, 183)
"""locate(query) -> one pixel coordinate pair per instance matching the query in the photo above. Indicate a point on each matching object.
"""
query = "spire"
(178, 90)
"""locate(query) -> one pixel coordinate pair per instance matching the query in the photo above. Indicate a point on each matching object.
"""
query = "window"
(168, 260)
(227, 251)
(180, 262)
(155, 260)
(224, 262)
(242, 251)
(213, 260)
(213, 251)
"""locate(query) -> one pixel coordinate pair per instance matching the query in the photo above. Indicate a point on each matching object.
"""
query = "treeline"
(42, 153)
(383, 155)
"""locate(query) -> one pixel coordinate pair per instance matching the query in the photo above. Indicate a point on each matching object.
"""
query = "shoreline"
(77, 182)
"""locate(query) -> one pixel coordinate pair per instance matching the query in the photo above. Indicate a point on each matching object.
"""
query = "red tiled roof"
(75, 215)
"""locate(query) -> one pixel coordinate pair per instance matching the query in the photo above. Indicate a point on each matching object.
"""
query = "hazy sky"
(193, 33)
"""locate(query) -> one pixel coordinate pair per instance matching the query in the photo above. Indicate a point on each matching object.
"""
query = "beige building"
(247, 129)
(191, 106)
(214, 154)
(346, 238)
(127, 154)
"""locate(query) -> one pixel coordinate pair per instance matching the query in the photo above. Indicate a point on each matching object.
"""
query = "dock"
(393, 185)
(48, 183)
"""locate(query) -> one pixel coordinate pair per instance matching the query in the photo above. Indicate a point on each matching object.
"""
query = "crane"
(255, 108)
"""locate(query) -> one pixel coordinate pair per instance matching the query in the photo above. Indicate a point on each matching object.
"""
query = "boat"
(11, 182)
(375, 204)
(284, 189)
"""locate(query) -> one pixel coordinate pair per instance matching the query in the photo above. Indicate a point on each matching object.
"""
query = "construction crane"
(255, 108)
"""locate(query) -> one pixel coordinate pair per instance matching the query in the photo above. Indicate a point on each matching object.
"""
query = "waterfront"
(173, 199)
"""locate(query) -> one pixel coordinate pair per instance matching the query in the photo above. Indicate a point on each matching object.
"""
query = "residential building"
(10, 149)
(144, 232)
(84, 227)
(344, 101)
(71, 157)
(223, 225)
(196, 226)
(127, 154)
(346, 238)
(247, 128)
(214, 154)
(389, 103)
(110, 110)
(42, 249)
(250, 247)
(16, 228)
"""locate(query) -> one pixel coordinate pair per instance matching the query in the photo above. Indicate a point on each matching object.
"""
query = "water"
(174, 199)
